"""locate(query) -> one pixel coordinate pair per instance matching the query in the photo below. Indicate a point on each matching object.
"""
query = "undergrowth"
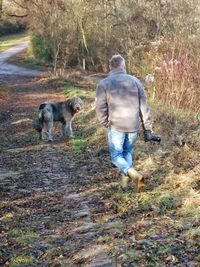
(158, 227)
(170, 204)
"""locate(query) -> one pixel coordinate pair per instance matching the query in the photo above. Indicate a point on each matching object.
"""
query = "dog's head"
(76, 103)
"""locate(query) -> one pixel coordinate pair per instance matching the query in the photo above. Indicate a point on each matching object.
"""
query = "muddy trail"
(60, 202)
(46, 217)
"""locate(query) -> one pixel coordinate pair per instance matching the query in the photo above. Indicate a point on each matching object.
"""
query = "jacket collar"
(117, 71)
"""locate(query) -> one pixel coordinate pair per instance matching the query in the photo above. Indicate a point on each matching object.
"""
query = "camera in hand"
(149, 136)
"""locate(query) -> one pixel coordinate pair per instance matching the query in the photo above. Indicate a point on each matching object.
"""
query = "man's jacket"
(121, 102)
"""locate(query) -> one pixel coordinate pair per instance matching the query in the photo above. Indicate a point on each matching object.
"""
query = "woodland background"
(158, 37)
(60, 202)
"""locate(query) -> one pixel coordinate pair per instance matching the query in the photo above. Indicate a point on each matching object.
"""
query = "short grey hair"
(116, 61)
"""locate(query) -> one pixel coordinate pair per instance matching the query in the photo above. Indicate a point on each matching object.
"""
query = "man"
(120, 105)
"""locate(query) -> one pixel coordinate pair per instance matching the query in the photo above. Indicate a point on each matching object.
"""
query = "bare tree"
(1, 9)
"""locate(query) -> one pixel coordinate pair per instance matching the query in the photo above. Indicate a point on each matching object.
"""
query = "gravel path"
(10, 69)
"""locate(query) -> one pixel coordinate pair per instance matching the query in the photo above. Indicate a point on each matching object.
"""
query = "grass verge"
(24, 58)
(12, 40)
(168, 210)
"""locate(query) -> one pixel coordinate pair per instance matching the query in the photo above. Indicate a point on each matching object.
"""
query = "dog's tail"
(38, 123)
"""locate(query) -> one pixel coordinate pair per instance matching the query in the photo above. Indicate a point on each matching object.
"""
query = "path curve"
(10, 69)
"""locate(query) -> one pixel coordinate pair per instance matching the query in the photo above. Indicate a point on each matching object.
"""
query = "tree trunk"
(1, 9)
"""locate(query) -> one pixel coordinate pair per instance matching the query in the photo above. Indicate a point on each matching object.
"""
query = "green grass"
(79, 142)
(27, 60)
(7, 217)
(12, 40)
(21, 261)
(27, 239)
(72, 91)
(78, 145)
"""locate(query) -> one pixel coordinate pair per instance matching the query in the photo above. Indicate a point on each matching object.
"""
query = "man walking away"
(120, 105)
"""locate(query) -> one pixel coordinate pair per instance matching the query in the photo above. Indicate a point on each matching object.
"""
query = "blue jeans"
(121, 146)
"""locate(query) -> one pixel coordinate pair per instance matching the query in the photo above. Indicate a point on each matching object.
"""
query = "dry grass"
(171, 200)
(4, 91)
(176, 71)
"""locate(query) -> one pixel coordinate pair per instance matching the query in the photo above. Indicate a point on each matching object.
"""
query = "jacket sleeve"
(144, 108)
(101, 105)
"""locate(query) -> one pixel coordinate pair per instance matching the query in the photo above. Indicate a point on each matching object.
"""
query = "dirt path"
(60, 206)
(40, 198)
(44, 209)
(10, 69)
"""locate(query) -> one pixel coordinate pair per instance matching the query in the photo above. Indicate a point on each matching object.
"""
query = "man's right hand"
(149, 136)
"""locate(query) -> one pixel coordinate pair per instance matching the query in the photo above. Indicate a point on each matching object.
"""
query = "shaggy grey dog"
(63, 112)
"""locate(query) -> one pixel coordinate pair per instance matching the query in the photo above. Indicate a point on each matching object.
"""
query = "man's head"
(117, 61)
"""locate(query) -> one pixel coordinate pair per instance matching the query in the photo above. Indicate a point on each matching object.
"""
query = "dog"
(62, 112)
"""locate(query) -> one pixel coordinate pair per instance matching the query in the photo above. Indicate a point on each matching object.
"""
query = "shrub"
(177, 75)
(8, 27)
(40, 49)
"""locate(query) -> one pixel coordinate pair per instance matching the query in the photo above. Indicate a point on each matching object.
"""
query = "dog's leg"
(45, 135)
(67, 129)
(40, 127)
(47, 125)
(49, 130)
(70, 129)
